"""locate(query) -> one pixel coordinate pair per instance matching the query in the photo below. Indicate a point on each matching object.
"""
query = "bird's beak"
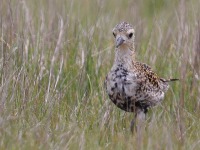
(119, 41)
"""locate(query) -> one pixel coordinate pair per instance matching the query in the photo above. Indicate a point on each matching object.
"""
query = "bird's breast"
(120, 88)
(120, 82)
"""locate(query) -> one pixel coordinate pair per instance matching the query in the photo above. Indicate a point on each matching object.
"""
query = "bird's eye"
(130, 35)
(114, 34)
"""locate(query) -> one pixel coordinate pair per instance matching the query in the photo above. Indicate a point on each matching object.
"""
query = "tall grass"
(54, 57)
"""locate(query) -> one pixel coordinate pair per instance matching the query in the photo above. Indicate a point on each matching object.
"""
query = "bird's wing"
(148, 84)
(144, 74)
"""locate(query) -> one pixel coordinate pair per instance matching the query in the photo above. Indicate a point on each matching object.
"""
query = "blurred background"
(55, 55)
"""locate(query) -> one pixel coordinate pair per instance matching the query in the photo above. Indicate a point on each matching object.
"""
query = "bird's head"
(124, 34)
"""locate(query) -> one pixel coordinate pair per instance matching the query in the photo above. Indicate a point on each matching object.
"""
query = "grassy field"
(54, 56)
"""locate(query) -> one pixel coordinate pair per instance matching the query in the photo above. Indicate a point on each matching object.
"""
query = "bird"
(132, 85)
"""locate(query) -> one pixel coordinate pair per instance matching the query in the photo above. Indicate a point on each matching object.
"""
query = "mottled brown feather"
(130, 84)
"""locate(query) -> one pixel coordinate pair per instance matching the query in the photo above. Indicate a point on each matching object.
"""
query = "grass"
(53, 61)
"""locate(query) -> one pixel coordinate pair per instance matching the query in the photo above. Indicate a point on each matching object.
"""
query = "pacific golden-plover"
(131, 85)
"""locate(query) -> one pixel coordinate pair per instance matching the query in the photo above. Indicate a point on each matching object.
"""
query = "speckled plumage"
(132, 86)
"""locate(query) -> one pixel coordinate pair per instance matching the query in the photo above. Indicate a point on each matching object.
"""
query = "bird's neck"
(124, 56)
